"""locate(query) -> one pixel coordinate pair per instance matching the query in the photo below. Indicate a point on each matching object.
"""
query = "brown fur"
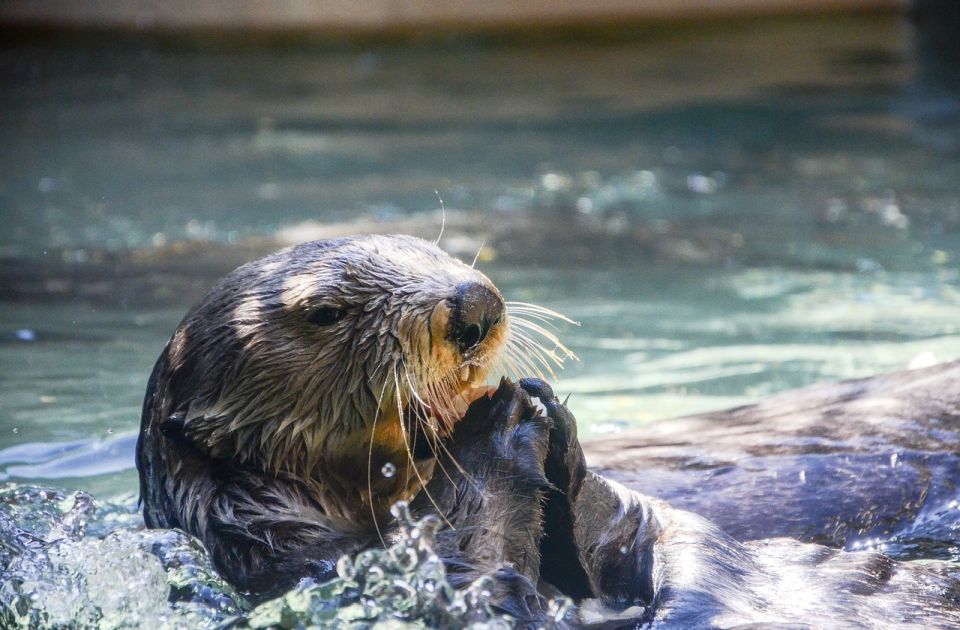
(264, 434)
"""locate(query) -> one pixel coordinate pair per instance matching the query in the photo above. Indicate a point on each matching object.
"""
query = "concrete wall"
(387, 15)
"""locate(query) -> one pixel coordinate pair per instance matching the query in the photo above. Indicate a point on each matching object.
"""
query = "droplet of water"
(702, 184)
(16, 430)
(623, 549)
(388, 470)
(554, 182)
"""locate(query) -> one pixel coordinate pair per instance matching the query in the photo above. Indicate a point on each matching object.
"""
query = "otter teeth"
(465, 373)
(460, 406)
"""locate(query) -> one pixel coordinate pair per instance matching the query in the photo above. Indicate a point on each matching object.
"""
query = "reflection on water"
(728, 211)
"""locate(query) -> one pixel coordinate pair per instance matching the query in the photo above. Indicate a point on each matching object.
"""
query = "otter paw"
(508, 407)
(515, 434)
(564, 465)
(526, 450)
(565, 425)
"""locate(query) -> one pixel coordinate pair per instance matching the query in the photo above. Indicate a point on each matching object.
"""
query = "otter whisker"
(443, 216)
(533, 352)
(440, 448)
(413, 463)
(440, 393)
(535, 314)
(549, 357)
(545, 358)
(527, 366)
(373, 433)
(546, 334)
(543, 310)
(477, 257)
(439, 445)
(520, 360)
(412, 388)
(520, 357)
(430, 432)
(503, 365)
(436, 444)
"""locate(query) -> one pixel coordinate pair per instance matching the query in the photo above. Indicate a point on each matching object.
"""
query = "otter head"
(322, 359)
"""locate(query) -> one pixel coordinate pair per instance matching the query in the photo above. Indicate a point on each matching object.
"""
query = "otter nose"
(476, 310)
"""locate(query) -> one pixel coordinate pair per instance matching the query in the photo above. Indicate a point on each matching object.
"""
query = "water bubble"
(25, 334)
(607, 427)
(623, 549)
(16, 430)
(891, 215)
(702, 184)
(554, 182)
(558, 608)
(388, 470)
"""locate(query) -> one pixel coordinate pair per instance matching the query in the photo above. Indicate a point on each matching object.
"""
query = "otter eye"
(325, 315)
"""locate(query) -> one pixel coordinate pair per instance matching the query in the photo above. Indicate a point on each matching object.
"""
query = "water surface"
(728, 211)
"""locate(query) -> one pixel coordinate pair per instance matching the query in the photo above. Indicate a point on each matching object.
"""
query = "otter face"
(292, 356)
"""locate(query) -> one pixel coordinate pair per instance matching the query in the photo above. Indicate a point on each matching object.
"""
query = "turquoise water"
(728, 211)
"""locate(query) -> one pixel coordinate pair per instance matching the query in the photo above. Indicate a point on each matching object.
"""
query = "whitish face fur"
(294, 356)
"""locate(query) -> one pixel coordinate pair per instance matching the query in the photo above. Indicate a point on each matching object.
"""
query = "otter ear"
(185, 427)
(173, 428)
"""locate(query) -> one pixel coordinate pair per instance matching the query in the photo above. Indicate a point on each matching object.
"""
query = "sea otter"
(311, 389)
(287, 391)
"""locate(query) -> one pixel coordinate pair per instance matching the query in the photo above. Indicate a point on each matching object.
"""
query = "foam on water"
(67, 560)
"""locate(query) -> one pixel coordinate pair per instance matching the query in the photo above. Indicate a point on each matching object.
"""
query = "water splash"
(68, 560)
(405, 584)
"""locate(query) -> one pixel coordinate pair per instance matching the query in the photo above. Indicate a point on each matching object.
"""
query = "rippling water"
(728, 210)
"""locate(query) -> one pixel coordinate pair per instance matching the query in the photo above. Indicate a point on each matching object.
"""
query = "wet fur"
(514, 486)
(649, 563)
(260, 431)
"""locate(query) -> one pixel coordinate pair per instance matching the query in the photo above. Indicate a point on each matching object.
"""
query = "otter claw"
(542, 392)
(537, 388)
